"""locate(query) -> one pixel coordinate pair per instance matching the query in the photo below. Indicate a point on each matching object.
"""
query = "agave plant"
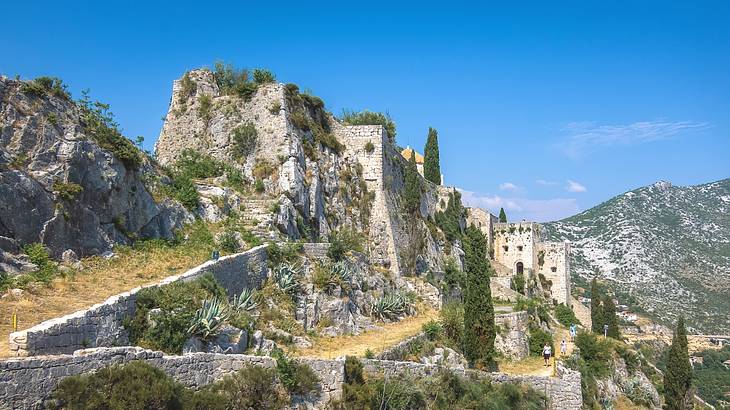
(209, 318)
(244, 302)
(341, 272)
(392, 305)
(286, 276)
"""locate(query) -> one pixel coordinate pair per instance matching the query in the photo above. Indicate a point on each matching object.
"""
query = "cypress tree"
(431, 162)
(502, 216)
(678, 376)
(479, 329)
(610, 318)
(596, 309)
(412, 194)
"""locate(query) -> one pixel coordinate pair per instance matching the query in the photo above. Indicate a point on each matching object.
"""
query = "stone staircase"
(259, 219)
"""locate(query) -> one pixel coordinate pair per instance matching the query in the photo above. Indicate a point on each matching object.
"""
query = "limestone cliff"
(60, 187)
(323, 174)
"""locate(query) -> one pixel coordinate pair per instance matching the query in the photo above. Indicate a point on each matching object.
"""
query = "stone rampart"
(26, 382)
(512, 335)
(102, 325)
(316, 251)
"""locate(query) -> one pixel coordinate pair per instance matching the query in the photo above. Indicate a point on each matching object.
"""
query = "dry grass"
(623, 403)
(387, 335)
(100, 279)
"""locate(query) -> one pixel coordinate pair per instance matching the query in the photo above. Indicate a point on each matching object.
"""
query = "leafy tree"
(609, 318)
(431, 162)
(450, 219)
(678, 376)
(479, 329)
(596, 309)
(502, 216)
(412, 194)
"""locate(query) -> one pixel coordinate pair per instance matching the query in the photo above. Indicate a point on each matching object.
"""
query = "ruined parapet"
(485, 221)
(554, 265)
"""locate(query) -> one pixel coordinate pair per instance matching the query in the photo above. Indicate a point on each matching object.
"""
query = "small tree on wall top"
(502, 216)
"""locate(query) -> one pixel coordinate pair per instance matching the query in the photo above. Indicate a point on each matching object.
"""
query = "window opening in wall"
(506, 248)
(553, 269)
(519, 248)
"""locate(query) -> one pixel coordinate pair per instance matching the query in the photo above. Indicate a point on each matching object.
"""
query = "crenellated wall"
(103, 324)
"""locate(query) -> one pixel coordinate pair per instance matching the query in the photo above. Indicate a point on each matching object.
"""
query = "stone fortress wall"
(554, 264)
(103, 323)
(26, 382)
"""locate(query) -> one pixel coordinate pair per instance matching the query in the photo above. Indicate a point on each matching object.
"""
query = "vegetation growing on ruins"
(344, 240)
(431, 161)
(444, 390)
(308, 114)
(565, 315)
(244, 139)
(449, 220)
(235, 81)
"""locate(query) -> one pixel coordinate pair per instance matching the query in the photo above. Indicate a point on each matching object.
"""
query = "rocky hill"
(323, 174)
(663, 248)
(69, 179)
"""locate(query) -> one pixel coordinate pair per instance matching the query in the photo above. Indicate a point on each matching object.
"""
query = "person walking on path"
(563, 348)
(573, 331)
(547, 351)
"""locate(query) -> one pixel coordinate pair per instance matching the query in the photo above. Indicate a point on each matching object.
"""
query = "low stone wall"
(399, 351)
(512, 337)
(26, 382)
(316, 251)
(562, 392)
(102, 324)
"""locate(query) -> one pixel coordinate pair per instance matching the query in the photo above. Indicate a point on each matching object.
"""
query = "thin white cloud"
(538, 210)
(584, 137)
(545, 182)
(573, 186)
(508, 186)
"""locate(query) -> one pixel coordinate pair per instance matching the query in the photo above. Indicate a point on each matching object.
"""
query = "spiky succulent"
(341, 272)
(209, 318)
(245, 301)
(286, 276)
(392, 305)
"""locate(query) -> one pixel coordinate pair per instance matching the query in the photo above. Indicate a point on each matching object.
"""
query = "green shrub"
(369, 147)
(193, 164)
(263, 76)
(262, 169)
(275, 108)
(205, 103)
(252, 387)
(518, 283)
(39, 256)
(289, 252)
(178, 303)
(184, 190)
(43, 86)
(370, 118)
(452, 321)
(432, 329)
(228, 242)
(135, 385)
(538, 338)
(259, 186)
(298, 378)
(233, 81)
(565, 315)
(344, 240)
(99, 124)
(450, 219)
(187, 88)
(244, 139)
(67, 190)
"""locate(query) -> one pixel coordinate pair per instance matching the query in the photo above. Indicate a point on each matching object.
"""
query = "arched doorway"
(519, 268)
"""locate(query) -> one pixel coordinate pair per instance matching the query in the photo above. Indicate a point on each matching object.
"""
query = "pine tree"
(610, 318)
(412, 194)
(596, 309)
(431, 162)
(479, 329)
(502, 216)
(678, 376)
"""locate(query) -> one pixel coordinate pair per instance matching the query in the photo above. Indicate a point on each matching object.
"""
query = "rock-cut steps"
(258, 217)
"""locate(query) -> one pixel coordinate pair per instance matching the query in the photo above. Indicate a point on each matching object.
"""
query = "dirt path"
(378, 340)
(535, 366)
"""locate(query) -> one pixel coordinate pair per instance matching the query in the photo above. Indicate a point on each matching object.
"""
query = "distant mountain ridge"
(664, 248)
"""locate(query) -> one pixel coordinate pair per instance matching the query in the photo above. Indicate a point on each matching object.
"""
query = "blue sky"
(545, 109)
